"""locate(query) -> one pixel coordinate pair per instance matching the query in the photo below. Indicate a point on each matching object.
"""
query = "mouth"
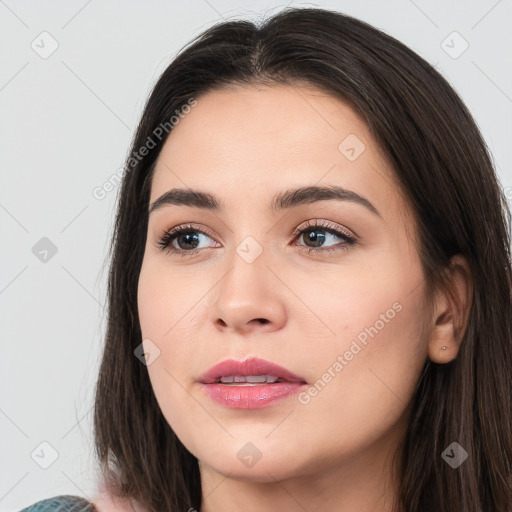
(250, 384)
(249, 372)
(249, 380)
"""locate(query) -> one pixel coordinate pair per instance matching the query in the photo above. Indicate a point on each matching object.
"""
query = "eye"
(185, 240)
(186, 235)
(314, 233)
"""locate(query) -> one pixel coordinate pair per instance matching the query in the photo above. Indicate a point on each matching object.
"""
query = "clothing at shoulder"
(62, 503)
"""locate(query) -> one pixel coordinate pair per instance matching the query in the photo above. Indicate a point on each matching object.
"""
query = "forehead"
(243, 143)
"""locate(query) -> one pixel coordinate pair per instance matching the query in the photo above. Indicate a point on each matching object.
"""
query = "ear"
(451, 312)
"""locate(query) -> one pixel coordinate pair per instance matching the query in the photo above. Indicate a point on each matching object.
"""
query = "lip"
(250, 366)
(249, 397)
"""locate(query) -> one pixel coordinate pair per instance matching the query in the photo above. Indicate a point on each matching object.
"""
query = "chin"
(255, 461)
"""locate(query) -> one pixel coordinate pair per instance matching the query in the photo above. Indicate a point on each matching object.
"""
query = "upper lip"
(251, 366)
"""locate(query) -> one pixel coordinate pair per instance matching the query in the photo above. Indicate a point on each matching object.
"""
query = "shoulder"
(62, 503)
(103, 501)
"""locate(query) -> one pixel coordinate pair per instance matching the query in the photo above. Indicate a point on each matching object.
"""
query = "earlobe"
(451, 316)
(443, 346)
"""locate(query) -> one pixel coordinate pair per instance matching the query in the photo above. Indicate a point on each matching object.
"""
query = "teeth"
(249, 379)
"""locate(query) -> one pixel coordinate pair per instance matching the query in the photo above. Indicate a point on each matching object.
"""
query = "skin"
(244, 145)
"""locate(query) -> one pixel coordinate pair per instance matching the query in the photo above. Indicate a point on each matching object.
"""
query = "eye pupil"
(188, 237)
(315, 236)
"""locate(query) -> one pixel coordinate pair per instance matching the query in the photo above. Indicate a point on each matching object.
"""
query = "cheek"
(165, 299)
(152, 299)
(371, 299)
(168, 311)
(168, 308)
(369, 349)
(159, 312)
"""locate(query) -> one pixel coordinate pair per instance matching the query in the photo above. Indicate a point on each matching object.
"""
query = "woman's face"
(341, 311)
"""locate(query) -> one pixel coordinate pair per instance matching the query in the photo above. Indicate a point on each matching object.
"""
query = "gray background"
(66, 122)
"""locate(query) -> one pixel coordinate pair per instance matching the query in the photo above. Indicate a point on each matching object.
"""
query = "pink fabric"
(105, 502)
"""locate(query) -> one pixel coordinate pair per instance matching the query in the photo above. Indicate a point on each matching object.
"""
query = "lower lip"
(250, 397)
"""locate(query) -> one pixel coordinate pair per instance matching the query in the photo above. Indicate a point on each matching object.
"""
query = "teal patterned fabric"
(62, 503)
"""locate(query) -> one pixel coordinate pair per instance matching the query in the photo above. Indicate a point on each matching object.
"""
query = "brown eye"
(318, 233)
(187, 239)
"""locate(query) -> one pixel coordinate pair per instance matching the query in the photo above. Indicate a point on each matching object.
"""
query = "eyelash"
(168, 237)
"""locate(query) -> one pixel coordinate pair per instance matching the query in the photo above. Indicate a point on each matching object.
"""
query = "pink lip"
(251, 366)
(249, 397)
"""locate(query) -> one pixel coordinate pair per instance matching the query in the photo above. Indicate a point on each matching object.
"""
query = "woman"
(338, 332)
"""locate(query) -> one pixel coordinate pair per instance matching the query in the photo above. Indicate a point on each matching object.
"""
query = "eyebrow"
(283, 200)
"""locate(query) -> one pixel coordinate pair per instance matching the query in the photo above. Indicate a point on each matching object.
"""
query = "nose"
(249, 298)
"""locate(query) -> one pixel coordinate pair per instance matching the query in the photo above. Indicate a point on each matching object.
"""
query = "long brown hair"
(444, 169)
